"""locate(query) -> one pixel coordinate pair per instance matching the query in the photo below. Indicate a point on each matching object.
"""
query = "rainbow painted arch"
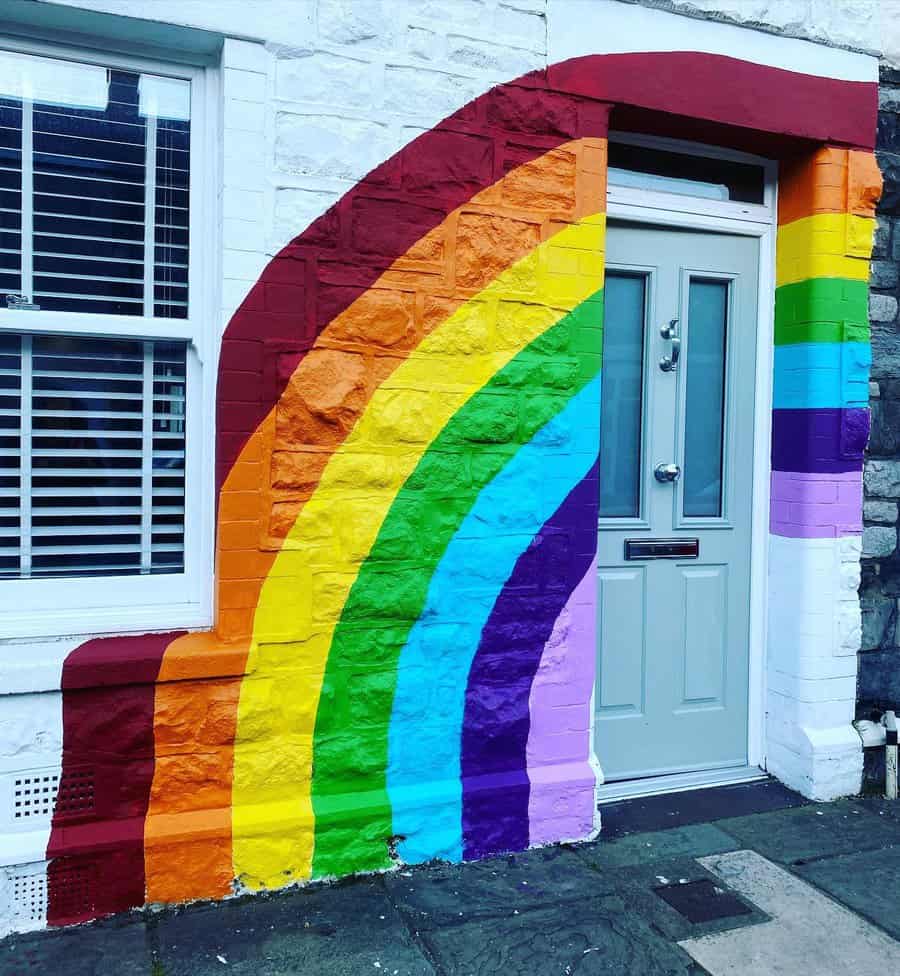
(408, 418)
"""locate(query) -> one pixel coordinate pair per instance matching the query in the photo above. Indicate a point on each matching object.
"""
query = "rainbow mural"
(408, 418)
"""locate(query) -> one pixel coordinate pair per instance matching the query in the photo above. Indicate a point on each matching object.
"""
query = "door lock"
(670, 332)
(665, 473)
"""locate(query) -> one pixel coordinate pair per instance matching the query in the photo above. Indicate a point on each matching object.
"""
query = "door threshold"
(678, 783)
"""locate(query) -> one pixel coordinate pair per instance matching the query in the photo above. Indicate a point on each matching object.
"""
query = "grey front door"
(676, 462)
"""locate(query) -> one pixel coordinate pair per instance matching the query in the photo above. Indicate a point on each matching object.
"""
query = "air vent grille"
(75, 798)
(29, 894)
(34, 794)
(70, 887)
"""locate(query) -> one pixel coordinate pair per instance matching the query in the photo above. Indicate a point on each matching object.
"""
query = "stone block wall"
(879, 656)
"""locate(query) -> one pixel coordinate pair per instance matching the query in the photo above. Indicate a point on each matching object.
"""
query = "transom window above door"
(101, 323)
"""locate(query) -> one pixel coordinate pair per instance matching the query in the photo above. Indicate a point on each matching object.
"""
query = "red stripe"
(108, 687)
(719, 89)
(342, 253)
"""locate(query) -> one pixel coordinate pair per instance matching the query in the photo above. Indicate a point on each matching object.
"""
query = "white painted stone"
(521, 28)
(504, 62)
(297, 208)
(327, 79)
(244, 86)
(420, 91)
(576, 29)
(809, 933)
(328, 145)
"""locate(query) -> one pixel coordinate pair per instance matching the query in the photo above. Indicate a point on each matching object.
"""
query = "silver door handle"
(665, 473)
(670, 332)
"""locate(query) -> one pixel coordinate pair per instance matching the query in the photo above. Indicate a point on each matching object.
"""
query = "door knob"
(670, 332)
(666, 473)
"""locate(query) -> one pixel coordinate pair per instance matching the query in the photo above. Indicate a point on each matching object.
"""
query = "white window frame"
(49, 607)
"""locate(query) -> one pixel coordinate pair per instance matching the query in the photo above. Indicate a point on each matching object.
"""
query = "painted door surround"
(673, 673)
(400, 397)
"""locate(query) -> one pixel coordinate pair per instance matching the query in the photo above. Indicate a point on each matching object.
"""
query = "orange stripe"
(829, 180)
(325, 396)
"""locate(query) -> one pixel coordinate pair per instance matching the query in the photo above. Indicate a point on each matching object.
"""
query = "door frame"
(749, 220)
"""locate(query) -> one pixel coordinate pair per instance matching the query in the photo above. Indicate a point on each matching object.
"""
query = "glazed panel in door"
(676, 462)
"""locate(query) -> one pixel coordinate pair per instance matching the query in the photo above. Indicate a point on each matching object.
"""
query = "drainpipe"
(890, 755)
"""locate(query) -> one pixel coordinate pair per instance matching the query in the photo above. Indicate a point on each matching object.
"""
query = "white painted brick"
(327, 79)
(246, 86)
(452, 14)
(505, 62)
(355, 22)
(240, 265)
(244, 162)
(421, 91)
(424, 43)
(328, 145)
(242, 204)
(247, 117)
(245, 56)
(244, 235)
(297, 208)
(521, 28)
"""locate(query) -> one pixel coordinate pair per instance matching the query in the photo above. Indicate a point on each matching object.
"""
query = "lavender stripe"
(816, 505)
(496, 720)
(561, 802)
(826, 441)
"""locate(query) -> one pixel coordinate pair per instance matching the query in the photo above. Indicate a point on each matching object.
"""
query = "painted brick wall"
(320, 93)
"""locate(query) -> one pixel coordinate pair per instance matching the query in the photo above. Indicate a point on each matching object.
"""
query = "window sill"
(94, 622)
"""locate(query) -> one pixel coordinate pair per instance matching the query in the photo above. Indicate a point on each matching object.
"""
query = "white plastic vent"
(34, 794)
(29, 896)
(27, 797)
(23, 897)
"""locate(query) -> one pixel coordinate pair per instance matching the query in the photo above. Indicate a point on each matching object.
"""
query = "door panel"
(704, 605)
(680, 343)
(622, 613)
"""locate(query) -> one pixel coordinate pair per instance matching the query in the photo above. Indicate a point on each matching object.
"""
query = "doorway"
(676, 463)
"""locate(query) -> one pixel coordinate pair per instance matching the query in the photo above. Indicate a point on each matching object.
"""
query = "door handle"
(670, 332)
(666, 473)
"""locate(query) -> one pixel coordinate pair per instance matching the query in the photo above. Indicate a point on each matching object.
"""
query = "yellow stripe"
(825, 245)
(302, 598)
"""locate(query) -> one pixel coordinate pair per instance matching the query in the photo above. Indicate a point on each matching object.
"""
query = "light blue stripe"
(815, 375)
(425, 735)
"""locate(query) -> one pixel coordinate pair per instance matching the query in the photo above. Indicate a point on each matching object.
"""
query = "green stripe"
(351, 739)
(822, 310)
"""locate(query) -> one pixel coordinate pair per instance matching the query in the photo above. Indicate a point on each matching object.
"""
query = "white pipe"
(890, 755)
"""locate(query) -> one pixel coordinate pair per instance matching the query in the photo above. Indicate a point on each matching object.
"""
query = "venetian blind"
(94, 188)
(92, 456)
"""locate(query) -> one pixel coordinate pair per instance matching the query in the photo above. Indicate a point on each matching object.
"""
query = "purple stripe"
(816, 505)
(826, 441)
(496, 720)
(562, 781)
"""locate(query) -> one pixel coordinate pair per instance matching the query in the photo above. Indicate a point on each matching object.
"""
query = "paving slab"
(334, 930)
(809, 933)
(695, 840)
(818, 830)
(868, 882)
(588, 938)
(450, 894)
(116, 946)
(666, 810)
